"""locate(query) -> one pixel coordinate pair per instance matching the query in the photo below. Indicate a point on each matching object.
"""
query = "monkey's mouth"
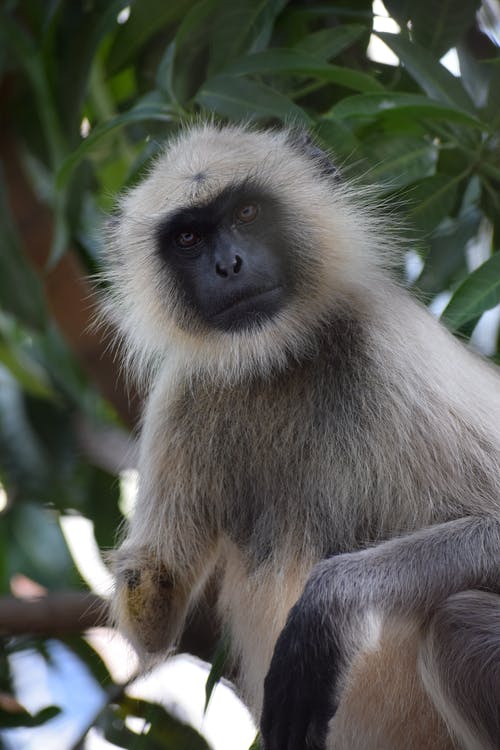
(243, 309)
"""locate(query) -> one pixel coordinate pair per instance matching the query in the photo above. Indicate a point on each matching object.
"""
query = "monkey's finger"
(299, 722)
(286, 728)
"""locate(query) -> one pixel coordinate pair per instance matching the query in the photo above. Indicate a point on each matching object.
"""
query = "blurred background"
(405, 95)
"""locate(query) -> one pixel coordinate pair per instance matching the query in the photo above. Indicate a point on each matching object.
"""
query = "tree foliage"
(90, 91)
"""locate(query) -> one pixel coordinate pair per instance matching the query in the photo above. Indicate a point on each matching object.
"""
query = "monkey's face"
(227, 258)
(233, 252)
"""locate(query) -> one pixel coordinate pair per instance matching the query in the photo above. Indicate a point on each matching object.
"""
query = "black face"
(228, 257)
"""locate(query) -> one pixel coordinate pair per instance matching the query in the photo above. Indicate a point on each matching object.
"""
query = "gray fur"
(350, 419)
(460, 663)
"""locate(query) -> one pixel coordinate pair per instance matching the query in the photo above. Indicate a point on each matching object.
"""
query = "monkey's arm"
(170, 547)
(343, 598)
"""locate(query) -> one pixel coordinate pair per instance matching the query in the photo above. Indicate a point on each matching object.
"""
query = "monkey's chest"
(274, 475)
(286, 460)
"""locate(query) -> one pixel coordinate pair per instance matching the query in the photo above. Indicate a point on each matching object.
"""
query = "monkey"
(315, 439)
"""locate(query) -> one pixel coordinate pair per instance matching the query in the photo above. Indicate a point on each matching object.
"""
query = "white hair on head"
(195, 167)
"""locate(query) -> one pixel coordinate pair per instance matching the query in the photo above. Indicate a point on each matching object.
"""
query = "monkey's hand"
(309, 657)
(149, 604)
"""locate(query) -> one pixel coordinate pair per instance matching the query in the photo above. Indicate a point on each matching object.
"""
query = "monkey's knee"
(460, 666)
(148, 605)
(383, 705)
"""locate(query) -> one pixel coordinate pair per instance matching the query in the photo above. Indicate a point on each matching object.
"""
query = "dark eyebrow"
(204, 216)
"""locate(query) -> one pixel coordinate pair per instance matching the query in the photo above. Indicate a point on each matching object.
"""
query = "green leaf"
(256, 744)
(111, 723)
(147, 18)
(263, 27)
(337, 136)
(92, 660)
(75, 37)
(189, 58)
(290, 61)
(432, 77)
(248, 100)
(25, 719)
(445, 261)
(439, 26)
(20, 289)
(166, 730)
(394, 103)
(27, 371)
(29, 56)
(328, 43)
(492, 73)
(60, 240)
(219, 663)
(37, 547)
(400, 160)
(241, 26)
(164, 75)
(139, 114)
(22, 458)
(478, 293)
(432, 199)
(475, 76)
(211, 35)
(103, 495)
(400, 10)
(52, 351)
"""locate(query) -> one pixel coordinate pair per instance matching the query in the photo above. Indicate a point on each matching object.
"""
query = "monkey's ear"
(302, 141)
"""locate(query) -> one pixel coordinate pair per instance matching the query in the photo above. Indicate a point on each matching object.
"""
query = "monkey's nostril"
(221, 271)
(235, 267)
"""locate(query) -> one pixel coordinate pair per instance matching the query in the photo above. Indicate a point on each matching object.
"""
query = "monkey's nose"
(229, 268)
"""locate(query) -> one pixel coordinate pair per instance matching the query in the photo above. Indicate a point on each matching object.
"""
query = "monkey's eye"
(187, 239)
(247, 213)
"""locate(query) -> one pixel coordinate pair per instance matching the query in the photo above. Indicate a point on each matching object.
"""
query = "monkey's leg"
(405, 577)
(384, 705)
(460, 666)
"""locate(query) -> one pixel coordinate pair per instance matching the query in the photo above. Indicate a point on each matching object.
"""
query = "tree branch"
(71, 612)
(52, 614)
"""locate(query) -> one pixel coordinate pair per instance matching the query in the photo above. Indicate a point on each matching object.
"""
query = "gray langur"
(318, 439)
